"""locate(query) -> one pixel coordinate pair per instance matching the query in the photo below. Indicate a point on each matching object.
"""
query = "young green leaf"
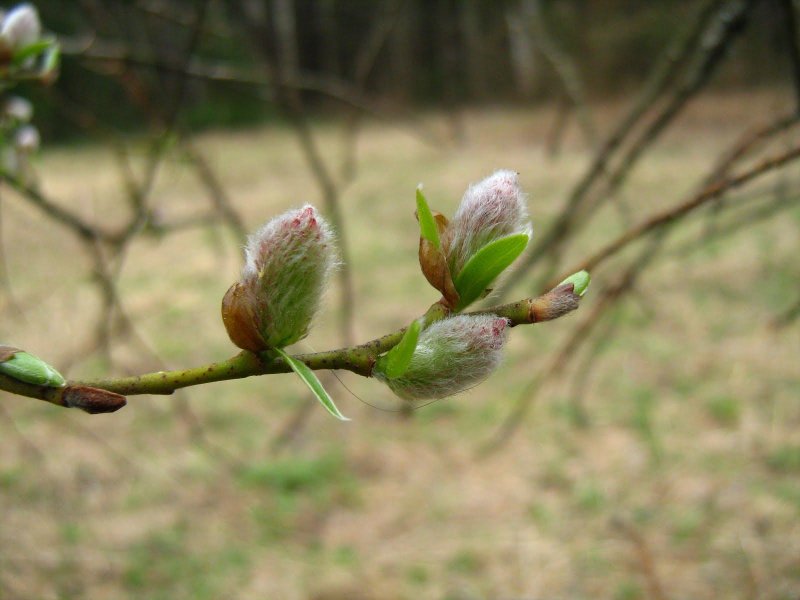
(427, 224)
(396, 361)
(32, 49)
(28, 368)
(485, 265)
(310, 379)
(580, 282)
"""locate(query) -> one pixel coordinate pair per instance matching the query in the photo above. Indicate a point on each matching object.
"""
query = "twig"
(790, 22)
(364, 64)
(219, 197)
(358, 359)
(672, 214)
(274, 50)
(676, 56)
(105, 53)
(658, 224)
(647, 563)
(564, 67)
(559, 360)
(744, 220)
(5, 281)
(788, 316)
(54, 211)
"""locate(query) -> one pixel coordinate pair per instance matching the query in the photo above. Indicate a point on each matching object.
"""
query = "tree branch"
(358, 359)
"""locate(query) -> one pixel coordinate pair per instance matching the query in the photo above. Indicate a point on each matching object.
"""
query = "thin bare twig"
(644, 558)
(674, 213)
(668, 66)
(559, 360)
(278, 55)
(790, 29)
(563, 65)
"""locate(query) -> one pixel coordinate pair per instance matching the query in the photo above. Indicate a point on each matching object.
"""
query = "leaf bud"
(28, 368)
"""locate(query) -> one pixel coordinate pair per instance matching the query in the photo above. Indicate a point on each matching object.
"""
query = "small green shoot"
(427, 224)
(396, 361)
(33, 49)
(580, 282)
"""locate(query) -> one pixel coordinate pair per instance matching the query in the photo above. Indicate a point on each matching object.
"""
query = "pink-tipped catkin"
(490, 209)
(451, 356)
(288, 263)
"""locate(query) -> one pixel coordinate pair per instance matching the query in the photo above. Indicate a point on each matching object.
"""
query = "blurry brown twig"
(788, 316)
(363, 65)
(644, 557)
(674, 213)
(563, 65)
(658, 225)
(275, 41)
(587, 191)
(791, 30)
(559, 360)
(5, 281)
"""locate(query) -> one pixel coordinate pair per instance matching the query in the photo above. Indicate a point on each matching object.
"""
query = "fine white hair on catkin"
(490, 209)
(452, 355)
(288, 263)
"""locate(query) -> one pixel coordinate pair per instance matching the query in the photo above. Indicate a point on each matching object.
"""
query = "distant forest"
(391, 53)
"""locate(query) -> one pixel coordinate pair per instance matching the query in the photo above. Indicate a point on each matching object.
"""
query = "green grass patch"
(300, 492)
(167, 565)
(467, 562)
(785, 459)
(590, 497)
(725, 410)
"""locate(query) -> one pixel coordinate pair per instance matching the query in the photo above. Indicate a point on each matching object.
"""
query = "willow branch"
(91, 395)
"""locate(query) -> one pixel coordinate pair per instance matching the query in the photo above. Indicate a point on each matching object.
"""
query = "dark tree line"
(400, 53)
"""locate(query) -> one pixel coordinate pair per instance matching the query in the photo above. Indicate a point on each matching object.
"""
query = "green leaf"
(427, 224)
(32, 49)
(28, 368)
(396, 361)
(485, 265)
(580, 282)
(310, 379)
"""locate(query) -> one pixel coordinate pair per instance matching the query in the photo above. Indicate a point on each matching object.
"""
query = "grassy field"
(681, 479)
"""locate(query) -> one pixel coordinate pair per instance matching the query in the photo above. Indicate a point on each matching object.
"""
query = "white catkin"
(490, 209)
(20, 27)
(288, 264)
(451, 356)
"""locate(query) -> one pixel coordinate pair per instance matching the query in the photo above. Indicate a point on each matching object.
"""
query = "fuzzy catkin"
(451, 356)
(288, 263)
(490, 209)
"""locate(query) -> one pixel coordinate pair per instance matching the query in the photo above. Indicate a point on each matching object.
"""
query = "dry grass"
(686, 476)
